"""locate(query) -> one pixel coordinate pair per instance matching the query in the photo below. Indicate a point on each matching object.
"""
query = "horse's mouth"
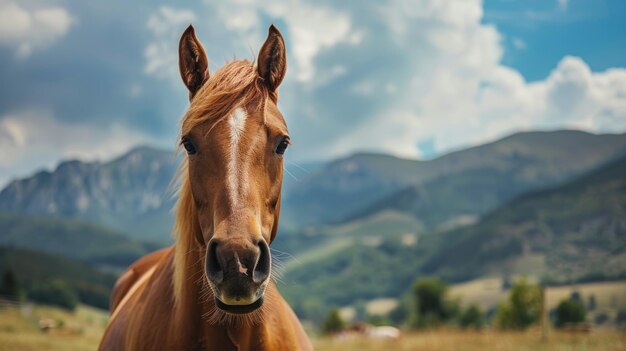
(239, 309)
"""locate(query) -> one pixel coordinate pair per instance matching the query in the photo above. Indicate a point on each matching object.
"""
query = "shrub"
(506, 282)
(576, 296)
(56, 293)
(620, 319)
(472, 317)
(400, 314)
(569, 311)
(9, 285)
(591, 302)
(523, 307)
(333, 322)
(601, 318)
(430, 304)
(378, 320)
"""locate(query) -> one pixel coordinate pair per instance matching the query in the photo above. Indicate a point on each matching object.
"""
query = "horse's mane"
(234, 84)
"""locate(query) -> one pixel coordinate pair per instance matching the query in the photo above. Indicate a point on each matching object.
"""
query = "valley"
(545, 204)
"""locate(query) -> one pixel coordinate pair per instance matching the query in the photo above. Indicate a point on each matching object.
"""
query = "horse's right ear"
(192, 61)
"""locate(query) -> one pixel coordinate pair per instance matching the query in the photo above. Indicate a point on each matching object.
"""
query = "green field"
(487, 292)
(452, 340)
(82, 329)
(75, 331)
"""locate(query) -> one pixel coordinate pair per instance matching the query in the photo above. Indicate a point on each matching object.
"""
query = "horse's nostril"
(262, 268)
(214, 270)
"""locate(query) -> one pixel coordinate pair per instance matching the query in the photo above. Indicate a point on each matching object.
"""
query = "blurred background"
(458, 167)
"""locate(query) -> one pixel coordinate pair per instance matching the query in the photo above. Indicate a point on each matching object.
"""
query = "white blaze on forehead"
(237, 123)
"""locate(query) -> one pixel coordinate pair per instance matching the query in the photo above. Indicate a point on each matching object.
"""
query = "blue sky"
(545, 31)
(89, 80)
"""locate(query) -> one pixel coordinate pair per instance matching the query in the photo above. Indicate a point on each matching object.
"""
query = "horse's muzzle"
(238, 272)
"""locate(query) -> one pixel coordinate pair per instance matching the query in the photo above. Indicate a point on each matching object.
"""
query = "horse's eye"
(282, 146)
(188, 145)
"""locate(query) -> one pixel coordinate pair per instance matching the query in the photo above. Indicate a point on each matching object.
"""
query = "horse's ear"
(192, 61)
(272, 61)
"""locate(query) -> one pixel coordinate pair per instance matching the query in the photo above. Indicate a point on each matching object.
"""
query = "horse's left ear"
(192, 61)
(272, 61)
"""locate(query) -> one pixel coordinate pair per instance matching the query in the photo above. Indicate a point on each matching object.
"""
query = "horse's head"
(235, 138)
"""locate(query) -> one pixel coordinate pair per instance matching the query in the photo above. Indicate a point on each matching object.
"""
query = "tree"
(400, 314)
(56, 293)
(360, 309)
(523, 307)
(377, 320)
(430, 306)
(620, 319)
(569, 311)
(576, 296)
(506, 282)
(9, 286)
(472, 317)
(601, 318)
(333, 322)
(591, 303)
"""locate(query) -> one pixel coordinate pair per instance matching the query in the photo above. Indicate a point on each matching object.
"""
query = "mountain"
(572, 232)
(129, 194)
(34, 269)
(73, 239)
(373, 220)
(460, 187)
(132, 194)
(340, 186)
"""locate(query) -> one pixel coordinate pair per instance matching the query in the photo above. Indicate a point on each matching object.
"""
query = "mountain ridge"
(87, 242)
(132, 193)
(127, 193)
(589, 210)
(473, 190)
(568, 233)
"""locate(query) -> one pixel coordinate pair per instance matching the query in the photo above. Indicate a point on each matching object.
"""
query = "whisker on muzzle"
(278, 266)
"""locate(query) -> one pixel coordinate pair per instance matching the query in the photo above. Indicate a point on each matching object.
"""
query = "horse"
(213, 288)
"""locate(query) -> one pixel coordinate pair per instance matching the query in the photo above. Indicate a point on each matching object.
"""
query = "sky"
(91, 79)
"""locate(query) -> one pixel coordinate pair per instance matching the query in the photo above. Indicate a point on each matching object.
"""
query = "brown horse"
(213, 289)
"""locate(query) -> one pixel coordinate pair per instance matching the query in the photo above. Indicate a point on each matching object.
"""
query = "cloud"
(29, 29)
(519, 43)
(313, 29)
(451, 87)
(501, 103)
(310, 27)
(413, 78)
(162, 53)
(576, 96)
(35, 138)
(563, 4)
(386, 78)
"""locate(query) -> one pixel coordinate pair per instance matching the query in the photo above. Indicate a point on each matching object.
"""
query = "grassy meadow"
(487, 292)
(81, 330)
(451, 340)
(76, 331)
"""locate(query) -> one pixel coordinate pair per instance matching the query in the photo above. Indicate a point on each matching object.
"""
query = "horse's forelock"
(235, 84)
